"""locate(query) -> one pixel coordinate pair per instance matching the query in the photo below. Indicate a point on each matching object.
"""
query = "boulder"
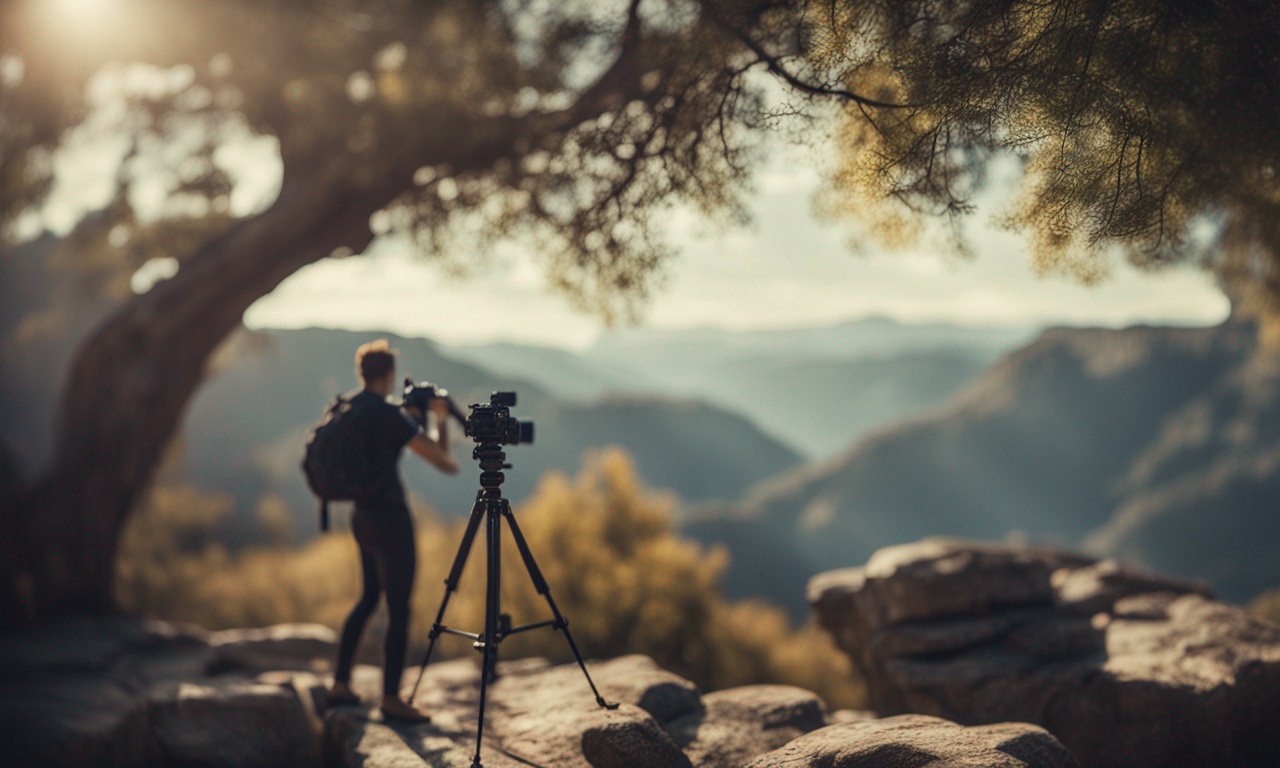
(738, 724)
(915, 741)
(232, 722)
(76, 720)
(93, 691)
(1124, 667)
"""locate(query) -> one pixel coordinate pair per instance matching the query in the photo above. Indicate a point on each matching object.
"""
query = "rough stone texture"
(284, 646)
(119, 692)
(1126, 668)
(739, 723)
(93, 692)
(536, 714)
(915, 741)
(232, 722)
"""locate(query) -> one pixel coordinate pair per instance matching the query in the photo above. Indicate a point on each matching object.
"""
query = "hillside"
(1048, 445)
(815, 389)
(1202, 497)
(245, 430)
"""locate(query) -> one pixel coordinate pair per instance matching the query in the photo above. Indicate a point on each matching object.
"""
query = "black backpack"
(336, 462)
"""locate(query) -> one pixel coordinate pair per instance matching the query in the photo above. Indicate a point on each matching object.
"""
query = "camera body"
(421, 394)
(493, 422)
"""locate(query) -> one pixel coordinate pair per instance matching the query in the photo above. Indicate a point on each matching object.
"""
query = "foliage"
(571, 125)
(1135, 122)
(605, 545)
(1266, 605)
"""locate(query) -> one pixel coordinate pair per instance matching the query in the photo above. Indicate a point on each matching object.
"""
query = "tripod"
(492, 508)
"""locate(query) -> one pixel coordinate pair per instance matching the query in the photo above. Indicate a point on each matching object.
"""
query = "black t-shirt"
(387, 429)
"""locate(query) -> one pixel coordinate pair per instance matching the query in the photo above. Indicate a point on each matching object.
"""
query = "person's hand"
(440, 408)
(414, 412)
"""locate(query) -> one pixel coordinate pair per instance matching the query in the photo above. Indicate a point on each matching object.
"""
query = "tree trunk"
(132, 379)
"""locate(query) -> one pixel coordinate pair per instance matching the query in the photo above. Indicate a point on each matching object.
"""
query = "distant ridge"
(1159, 444)
(814, 388)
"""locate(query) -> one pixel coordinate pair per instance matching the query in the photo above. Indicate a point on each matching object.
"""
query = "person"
(383, 527)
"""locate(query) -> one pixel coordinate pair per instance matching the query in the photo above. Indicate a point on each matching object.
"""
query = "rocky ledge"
(126, 693)
(1126, 668)
(545, 716)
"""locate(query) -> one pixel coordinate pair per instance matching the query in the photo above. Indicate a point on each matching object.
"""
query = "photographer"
(383, 527)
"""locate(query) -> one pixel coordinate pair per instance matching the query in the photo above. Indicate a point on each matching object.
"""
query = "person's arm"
(436, 452)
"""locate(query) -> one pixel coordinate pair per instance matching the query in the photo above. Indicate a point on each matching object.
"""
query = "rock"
(911, 741)
(536, 714)
(636, 679)
(1115, 662)
(354, 739)
(78, 720)
(232, 722)
(550, 717)
(283, 646)
(1099, 586)
(89, 691)
(741, 723)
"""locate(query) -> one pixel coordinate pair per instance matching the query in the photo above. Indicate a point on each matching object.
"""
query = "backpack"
(336, 460)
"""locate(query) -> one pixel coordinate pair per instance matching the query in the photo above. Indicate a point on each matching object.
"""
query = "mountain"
(682, 349)
(1123, 438)
(1202, 497)
(245, 430)
(815, 389)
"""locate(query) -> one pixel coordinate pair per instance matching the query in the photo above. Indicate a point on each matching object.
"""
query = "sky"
(786, 270)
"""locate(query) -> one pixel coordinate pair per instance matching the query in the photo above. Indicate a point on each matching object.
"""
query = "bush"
(605, 545)
(1266, 606)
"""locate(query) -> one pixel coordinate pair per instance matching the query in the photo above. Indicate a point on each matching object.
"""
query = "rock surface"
(740, 723)
(118, 692)
(284, 646)
(915, 741)
(546, 716)
(130, 693)
(1126, 668)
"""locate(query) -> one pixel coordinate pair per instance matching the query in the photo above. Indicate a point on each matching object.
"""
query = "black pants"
(387, 560)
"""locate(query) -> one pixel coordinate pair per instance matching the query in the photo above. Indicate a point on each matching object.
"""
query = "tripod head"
(492, 461)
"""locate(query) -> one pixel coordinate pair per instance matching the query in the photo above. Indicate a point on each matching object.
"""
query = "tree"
(569, 125)
(572, 126)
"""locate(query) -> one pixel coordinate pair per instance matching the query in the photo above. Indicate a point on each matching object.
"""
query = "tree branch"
(774, 65)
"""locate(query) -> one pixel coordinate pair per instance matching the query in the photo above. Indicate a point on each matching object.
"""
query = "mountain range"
(815, 389)
(1160, 445)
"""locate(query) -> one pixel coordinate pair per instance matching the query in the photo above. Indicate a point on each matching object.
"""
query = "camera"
(421, 394)
(493, 423)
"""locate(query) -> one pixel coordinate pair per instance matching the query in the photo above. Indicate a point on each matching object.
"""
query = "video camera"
(491, 423)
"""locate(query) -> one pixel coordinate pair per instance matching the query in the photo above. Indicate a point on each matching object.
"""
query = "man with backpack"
(382, 524)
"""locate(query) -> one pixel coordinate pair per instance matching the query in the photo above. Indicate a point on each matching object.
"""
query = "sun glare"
(86, 10)
(84, 27)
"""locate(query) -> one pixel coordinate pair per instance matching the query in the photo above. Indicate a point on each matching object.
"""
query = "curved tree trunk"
(132, 380)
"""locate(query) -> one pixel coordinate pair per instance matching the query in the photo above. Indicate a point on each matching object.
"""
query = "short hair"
(374, 360)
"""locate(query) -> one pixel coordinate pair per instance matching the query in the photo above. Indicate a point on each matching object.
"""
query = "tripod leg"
(493, 551)
(540, 584)
(450, 586)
